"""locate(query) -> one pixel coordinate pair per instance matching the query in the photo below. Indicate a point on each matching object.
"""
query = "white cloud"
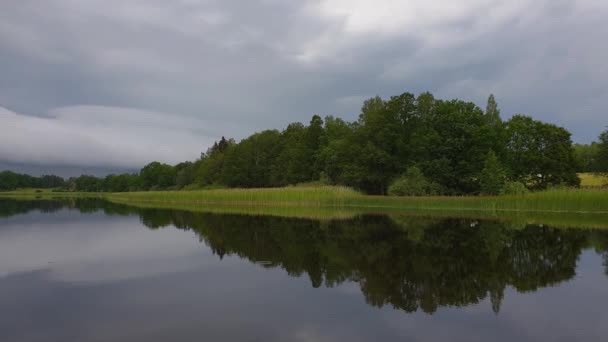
(100, 136)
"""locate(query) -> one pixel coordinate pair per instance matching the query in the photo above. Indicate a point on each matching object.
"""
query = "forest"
(404, 145)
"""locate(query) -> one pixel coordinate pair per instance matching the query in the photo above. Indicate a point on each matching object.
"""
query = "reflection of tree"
(409, 264)
(600, 242)
(9, 207)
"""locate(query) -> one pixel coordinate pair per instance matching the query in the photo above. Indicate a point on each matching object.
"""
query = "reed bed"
(574, 201)
(301, 196)
(564, 208)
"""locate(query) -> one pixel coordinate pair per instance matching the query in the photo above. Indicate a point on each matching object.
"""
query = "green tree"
(8, 180)
(492, 112)
(120, 183)
(314, 136)
(413, 183)
(157, 175)
(492, 177)
(185, 174)
(377, 141)
(208, 170)
(87, 183)
(294, 163)
(540, 154)
(453, 143)
(251, 162)
(602, 154)
(51, 181)
(337, 151)
(587, 157)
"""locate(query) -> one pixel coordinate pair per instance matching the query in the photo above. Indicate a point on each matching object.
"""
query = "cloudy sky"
(118, 83)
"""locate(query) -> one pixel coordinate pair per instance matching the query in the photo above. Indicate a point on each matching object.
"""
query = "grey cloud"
(93, 135)
(243, 66)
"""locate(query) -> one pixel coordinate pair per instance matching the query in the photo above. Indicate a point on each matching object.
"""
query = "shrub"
(413, 183)
(514, 188)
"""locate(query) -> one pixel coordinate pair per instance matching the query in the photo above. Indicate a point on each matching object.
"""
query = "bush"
(413, 183)
(514, 188)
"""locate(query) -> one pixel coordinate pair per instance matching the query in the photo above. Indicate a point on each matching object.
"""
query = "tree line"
(593, 157)
(404, 145)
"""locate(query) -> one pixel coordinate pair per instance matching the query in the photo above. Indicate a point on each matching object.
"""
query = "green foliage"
(514, 188)
(448, 140)
(294, 162)
(251, 162)
(120, 183)
(492, 178)
(602, 154)
(87, 183)
(158, 176)
(185, 174)
(492, 112)
(540, 154)
(413, 183)
(10, 181)
(587, 157)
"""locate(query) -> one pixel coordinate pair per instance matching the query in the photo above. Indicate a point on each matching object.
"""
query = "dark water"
(87, 270)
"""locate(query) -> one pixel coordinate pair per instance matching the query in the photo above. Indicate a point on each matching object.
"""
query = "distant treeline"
(405, 145)
(10, 181)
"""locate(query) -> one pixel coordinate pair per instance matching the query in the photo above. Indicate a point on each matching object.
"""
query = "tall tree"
(314, 135)
(492, 112)
(492, 178)
(251, 162)
(602, 153)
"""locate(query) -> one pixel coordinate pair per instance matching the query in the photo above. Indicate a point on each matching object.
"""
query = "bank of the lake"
(569, 201)
(551, 201)
(566, 208)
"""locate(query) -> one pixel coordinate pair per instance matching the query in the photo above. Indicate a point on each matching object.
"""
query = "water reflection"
(407, 263)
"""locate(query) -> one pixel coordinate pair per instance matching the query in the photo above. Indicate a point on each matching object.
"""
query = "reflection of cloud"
(95, 251)
(310, 335)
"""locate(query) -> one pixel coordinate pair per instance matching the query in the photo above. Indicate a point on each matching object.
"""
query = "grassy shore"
(580, 201)
(567, 208)
(567, 200)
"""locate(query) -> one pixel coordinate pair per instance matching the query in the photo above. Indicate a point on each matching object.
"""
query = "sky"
(115, 84)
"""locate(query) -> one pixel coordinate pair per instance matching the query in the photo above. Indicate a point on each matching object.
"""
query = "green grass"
(572, 208)
(45, 194)
(580, 201)
(289, 196)
(593, 180)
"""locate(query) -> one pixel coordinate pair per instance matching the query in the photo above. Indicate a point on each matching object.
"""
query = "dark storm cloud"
(234, 67)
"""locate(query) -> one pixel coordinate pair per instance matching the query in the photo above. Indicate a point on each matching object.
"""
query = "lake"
(90, 270)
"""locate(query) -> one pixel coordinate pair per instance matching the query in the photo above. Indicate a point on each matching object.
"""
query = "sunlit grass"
(593, 180)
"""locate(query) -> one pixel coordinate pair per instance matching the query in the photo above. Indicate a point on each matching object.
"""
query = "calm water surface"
(88, 270)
